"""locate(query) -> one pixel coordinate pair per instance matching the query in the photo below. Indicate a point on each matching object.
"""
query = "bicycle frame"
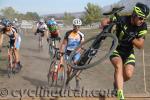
(55, 71)
(12, 62)
(11, 56)
(40, 39)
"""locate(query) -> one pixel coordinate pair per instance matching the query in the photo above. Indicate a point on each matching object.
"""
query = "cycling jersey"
(12, 38)
(53, 31)
(41, 26)
(52, 28)
(73, 39)
(125, 47)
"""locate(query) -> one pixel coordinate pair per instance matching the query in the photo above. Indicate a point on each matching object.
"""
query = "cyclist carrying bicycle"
(53, 30)
(123, 58)
(14, 42)
(72, 39)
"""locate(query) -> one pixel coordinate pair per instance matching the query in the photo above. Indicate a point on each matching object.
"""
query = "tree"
(92, 13)
(68, 18)
(9, 12)
(32, 16)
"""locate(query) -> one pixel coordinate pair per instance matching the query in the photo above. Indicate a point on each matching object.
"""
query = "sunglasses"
(76, 26)
(8, 26)
(141, 18)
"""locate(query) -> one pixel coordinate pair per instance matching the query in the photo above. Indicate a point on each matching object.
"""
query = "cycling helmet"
(4, 21)
(141, 10)
(15, 19)
(8, 23)
(41, 20)
(77, 21)
(51, 22)
(53, 19)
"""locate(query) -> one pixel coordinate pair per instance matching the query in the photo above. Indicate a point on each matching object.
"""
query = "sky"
(51, 6)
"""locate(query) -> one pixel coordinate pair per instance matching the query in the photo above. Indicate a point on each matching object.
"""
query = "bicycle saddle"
(114, 10)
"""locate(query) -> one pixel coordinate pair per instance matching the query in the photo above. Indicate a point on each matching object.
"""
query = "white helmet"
(42, 20)
(77, 21)
(53, 19)
(16, 19)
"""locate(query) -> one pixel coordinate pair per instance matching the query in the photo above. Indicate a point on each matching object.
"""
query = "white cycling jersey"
(41, 26)
(74, 39)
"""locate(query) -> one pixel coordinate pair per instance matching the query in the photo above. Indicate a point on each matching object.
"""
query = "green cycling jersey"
(53, 28)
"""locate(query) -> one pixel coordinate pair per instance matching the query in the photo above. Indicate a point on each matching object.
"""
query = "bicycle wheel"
(51, 50)
(61, 76)
(11, 65)
(71, 76)
(9, 71)
(51, 74)
(90, 56)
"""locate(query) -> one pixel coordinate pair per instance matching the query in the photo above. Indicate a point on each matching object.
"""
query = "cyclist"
(14, 41)
(17, 25)
(41, 27)
(71, 40)
(123, 58)
(53, 30)
(1, 35)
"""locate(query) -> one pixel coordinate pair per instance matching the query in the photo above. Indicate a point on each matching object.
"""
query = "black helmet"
(141, 10)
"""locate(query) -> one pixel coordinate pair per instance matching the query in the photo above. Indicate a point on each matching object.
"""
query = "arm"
(16, 35)
(1, 40)
(46, 31)
(104, 22)
(62, 47)
(138, 42)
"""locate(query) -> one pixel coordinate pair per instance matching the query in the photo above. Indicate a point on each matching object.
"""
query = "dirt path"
(36, 65)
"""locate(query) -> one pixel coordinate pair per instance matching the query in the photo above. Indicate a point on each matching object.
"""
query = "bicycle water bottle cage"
(114, 11)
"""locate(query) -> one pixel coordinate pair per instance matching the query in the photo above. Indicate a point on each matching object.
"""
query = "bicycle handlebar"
(114, 10)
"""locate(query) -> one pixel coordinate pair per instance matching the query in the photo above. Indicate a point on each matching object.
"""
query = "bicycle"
(40, 33)
(88, 52)
(12, 65)
(56, 73)
(53, 45)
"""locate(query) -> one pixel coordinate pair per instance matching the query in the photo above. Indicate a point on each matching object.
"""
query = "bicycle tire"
(86, 66)
(50, 74)
(9, 71)
(61, 77)
(40, 39)
(71, 76)
(51, 50)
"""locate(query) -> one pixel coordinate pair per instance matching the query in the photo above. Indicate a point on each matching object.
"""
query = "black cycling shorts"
(126, 58)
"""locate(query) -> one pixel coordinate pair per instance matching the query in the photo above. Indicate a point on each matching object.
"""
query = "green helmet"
(141, 10)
